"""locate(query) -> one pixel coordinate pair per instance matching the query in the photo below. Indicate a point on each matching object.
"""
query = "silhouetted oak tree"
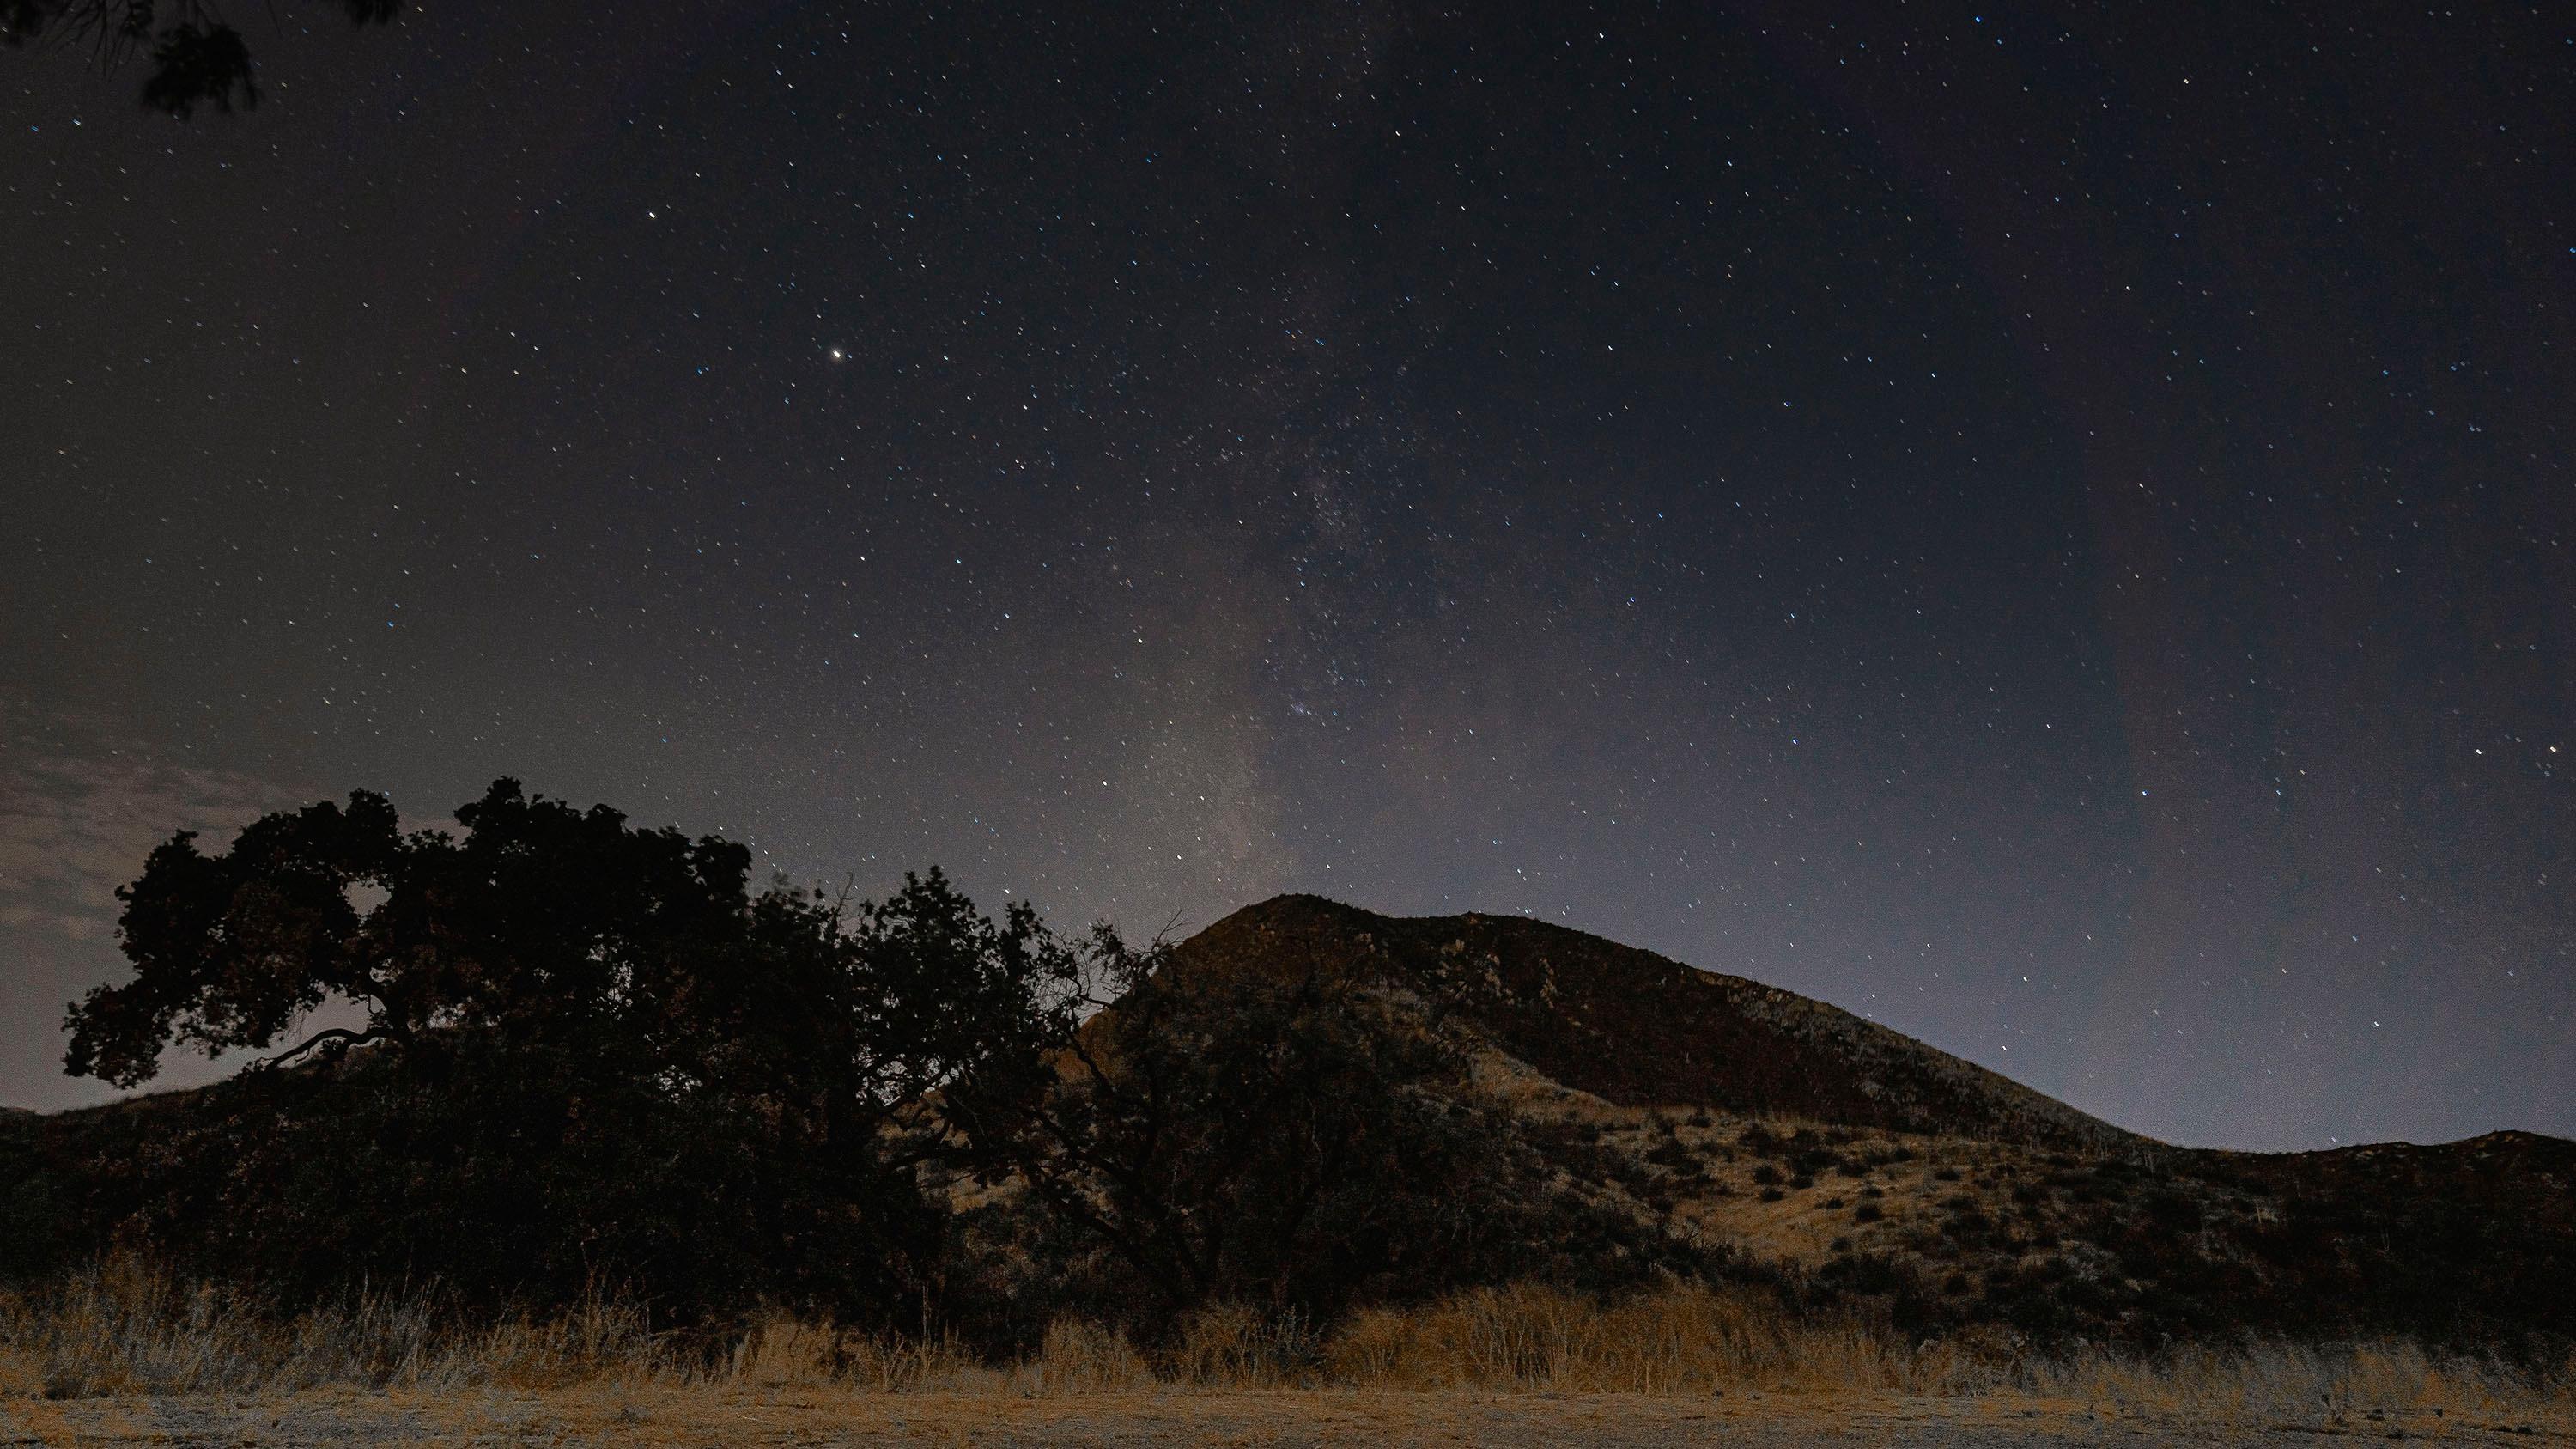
(588, 1052)
(197, 58)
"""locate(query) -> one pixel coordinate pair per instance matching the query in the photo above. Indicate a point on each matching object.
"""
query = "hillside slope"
(1636, 1029)
(1863, 1162)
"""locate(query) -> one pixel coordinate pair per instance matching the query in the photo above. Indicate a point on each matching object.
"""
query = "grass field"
(125, 1356)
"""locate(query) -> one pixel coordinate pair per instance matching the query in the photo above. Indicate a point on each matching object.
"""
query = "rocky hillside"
(1635, 1029)
(1859, 1161)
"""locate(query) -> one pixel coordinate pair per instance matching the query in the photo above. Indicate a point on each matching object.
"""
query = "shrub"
(1294, 1142)
(1671, 1153)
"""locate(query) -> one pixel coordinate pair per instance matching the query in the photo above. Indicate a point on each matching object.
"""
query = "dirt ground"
(664, 1417)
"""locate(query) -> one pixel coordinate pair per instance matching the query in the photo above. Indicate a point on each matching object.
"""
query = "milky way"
(2053, 536)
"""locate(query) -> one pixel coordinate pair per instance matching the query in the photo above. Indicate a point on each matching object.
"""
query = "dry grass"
(124, 1330)
(127, 1329)
(1683, 1340)
(2286, 1382)
(1691, 1340)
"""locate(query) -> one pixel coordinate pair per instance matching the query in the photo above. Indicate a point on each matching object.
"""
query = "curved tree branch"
(338, 1033)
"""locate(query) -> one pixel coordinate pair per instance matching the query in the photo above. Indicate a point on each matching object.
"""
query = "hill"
(1858, 1160)
(1636, 1030)
(1784, 1140)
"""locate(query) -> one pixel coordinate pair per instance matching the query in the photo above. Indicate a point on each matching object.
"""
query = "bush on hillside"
(1294, 1141)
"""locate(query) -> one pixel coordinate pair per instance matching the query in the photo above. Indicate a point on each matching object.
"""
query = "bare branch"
(335, 1034)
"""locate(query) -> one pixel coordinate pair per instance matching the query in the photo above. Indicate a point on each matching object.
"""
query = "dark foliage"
(31, 1212)
(589, 1055)
(2470, 1246)
(1289, 1139)
(2474, 1242)
(197, 59)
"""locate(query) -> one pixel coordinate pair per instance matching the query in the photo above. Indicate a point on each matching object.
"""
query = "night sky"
(2052, 532)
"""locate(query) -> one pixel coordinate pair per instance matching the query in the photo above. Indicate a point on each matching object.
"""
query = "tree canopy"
(585, 1053)
(197, 58)
(1289, 1138)
(592, 1044)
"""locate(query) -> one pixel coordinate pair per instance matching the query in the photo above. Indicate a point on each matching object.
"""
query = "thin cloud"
(76, 823)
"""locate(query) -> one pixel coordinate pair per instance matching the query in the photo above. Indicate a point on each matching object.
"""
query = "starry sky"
(2048, 528)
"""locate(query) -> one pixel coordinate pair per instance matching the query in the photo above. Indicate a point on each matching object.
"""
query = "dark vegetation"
(591, 1057)
(2470, 1245)
(197, 57)
(582, 1057)
(1286, 1139)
